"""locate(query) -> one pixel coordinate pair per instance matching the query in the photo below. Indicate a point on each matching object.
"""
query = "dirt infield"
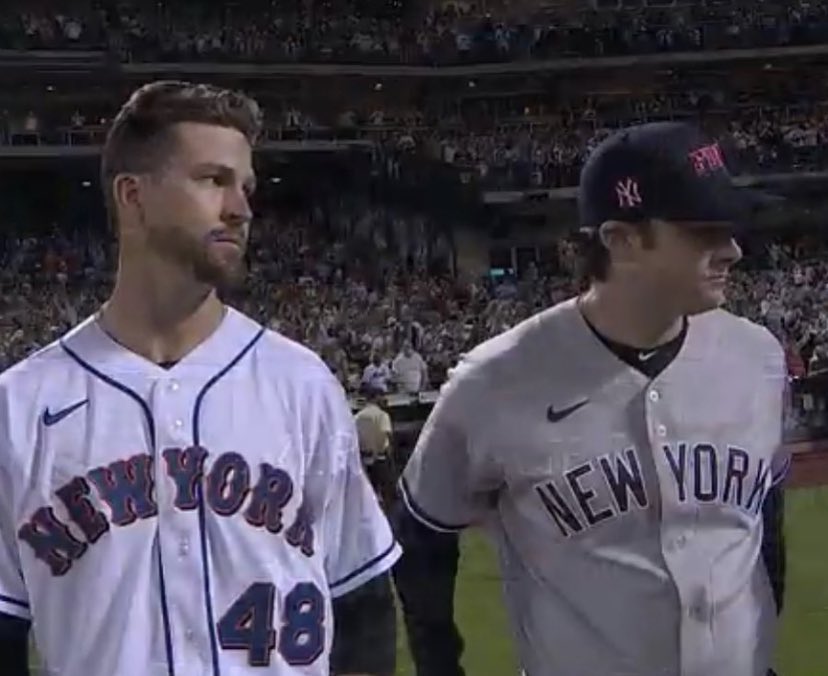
(809, 467)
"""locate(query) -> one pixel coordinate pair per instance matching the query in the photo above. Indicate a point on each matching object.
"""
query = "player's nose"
(237, 210)
(729, 252)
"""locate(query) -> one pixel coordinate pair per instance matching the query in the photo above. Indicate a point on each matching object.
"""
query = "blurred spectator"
(819, 360)
(375, 433)
(377, 375)
(31, 124)
(410, 370)
(793, 360)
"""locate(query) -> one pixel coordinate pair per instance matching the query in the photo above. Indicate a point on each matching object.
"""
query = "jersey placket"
(696, 646)
(178, 533)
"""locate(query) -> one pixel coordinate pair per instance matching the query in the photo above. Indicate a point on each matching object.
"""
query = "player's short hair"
(139, 140)
(594, 258)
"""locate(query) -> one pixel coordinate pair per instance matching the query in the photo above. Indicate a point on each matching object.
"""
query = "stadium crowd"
(359, 31)
(363, 286)
(550, 154)
(523, 150)
(373, 289)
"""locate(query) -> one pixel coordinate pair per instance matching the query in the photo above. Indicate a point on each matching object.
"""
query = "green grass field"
(804, 640)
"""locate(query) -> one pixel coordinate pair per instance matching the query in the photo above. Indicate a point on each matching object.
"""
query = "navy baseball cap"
(666, 170)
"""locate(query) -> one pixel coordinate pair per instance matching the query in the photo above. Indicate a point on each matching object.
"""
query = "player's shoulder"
(301, 376)
(721, 327)
(509, 362)
(725, 325)
(309, 393)
(27, 387)
(510, 352)
(293, 360)
(43, 366)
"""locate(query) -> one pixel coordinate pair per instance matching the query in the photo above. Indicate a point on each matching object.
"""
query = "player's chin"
(224, 274)
(233, 277)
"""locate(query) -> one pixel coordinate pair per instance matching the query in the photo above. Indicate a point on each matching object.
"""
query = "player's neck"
(159, 317)
(627, 318)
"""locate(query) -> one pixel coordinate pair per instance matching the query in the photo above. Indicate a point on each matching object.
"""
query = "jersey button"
(189, 634)
(174, 386)
(184, 547)
(654, 396)
(661, 430)
(178, 424)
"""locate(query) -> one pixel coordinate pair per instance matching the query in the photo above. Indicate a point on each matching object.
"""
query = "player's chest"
(111, 473)
(160, 443)
(630, 451)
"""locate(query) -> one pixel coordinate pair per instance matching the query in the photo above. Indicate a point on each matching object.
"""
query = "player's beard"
(177, 245)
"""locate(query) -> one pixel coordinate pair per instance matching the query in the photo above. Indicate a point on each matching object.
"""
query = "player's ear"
(126, 193)
(619, 239)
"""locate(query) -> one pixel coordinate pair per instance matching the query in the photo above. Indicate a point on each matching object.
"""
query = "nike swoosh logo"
(644, 356)
(50, 418)
(556, 416)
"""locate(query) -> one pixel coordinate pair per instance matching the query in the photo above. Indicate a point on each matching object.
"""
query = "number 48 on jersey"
(248, 625)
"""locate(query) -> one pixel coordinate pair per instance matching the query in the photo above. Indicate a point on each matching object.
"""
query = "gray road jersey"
(627, 512)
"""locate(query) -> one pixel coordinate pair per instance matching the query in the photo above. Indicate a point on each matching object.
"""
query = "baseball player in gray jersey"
(181, 491)
(623, 447)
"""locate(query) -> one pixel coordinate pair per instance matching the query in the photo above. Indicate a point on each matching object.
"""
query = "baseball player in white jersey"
(181, 490)
(622, 447)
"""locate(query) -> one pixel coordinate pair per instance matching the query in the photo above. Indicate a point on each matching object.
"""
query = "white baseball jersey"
(627, 511)
(190, 521)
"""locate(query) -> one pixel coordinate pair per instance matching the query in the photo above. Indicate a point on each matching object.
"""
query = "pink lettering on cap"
(707, 159)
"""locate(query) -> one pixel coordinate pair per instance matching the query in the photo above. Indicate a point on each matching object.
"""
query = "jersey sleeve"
(781, 462)
(774, 549)
(451, 478)
(14, 599)
(360, 542)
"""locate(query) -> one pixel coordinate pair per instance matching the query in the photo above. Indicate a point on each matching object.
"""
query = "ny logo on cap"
(627, 191)
(707, 159)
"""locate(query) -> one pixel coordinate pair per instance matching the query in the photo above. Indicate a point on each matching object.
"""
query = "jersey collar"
(90, 343)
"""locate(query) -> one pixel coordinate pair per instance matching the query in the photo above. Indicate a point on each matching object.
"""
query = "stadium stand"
(482, 134)
(372, 32)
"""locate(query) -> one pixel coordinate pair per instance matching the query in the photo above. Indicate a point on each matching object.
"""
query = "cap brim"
(736, 206)
(754, 202)
(757, 200)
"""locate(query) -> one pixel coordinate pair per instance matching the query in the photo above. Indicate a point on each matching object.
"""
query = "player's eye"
(718, 236)
(713, 236)
(214, 179)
